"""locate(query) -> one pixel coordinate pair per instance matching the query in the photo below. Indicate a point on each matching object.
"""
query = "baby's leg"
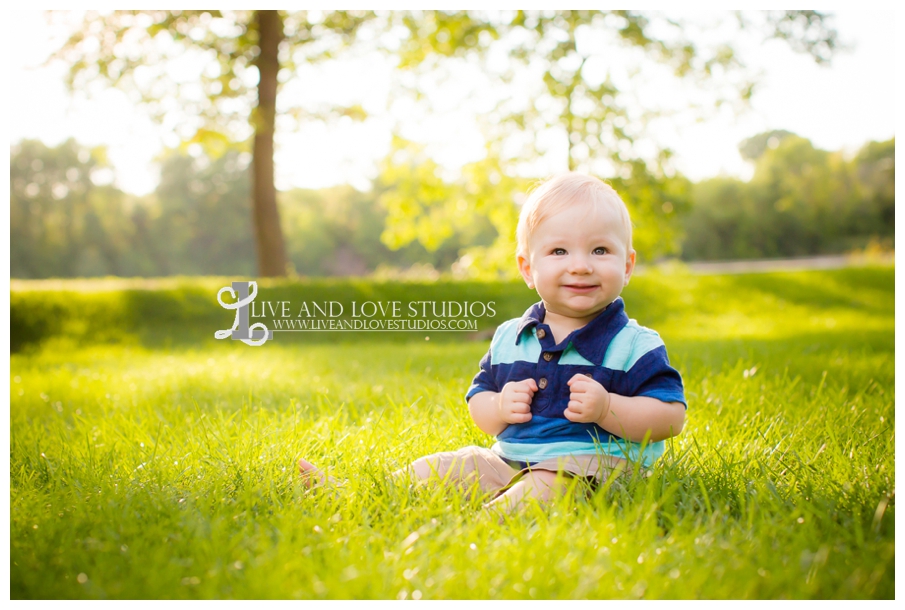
(541, 485)
(463, 468)
(456, 466)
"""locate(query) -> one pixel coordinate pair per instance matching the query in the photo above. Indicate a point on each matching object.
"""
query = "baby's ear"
(629, 266)
(524, 268)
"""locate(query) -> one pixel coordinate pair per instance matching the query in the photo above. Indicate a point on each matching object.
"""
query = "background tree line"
(800, 201)
(574, 96)
(68, 220)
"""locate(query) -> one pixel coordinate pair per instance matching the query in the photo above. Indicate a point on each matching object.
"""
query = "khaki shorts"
(494, 474)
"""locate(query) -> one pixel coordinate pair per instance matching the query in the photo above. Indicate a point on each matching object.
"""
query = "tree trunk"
(268, 235)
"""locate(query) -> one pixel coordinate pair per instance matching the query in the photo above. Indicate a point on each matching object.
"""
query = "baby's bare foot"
(313, 477)
(491, 514)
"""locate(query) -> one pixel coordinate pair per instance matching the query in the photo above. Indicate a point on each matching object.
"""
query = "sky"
(837, 107)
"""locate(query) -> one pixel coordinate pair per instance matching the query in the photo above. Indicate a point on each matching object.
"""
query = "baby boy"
(573, 387)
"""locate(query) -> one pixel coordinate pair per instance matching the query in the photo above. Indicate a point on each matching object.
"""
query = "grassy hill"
(149, 460)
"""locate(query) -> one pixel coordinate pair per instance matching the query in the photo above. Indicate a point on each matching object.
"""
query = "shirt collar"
(592, 339)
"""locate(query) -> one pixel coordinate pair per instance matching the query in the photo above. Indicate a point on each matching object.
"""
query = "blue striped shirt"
(625, 358)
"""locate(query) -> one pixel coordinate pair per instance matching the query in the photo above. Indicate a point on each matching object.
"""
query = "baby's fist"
(515, 401)
(589, 402)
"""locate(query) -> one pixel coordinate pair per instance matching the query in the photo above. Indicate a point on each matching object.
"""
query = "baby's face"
(578, 260)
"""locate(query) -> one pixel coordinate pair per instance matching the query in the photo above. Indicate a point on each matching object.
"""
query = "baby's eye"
(600, 251)
(558, 251)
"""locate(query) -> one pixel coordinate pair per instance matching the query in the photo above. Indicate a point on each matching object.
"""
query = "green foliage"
(576, 98)
(468, 220)
(196, 222)
(754, 147)
(436, 34)
(170, 474)
(65, 223)
(131, 50)
(66, 220)
(875, 168)
(127, 49)
(807, 32)
(656, 204)
(467, 213)
(202, 211)
(424, 207)
(801, 201)
(339, 231)
(134, 50)
(419, 203)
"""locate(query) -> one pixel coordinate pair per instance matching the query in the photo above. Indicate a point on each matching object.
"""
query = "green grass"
(142, 472)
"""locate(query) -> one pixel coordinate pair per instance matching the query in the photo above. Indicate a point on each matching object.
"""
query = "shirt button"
(548, 356)
(542, 383)
(541, 333)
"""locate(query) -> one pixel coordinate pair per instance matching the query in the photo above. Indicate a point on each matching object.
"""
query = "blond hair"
(564, 190)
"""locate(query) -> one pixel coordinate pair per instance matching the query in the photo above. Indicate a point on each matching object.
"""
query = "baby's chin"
(575, 312)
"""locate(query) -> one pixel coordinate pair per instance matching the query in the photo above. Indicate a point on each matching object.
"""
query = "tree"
(201, 208)
(132, 49)
(751, 149)
(122, 48)
(578, 95)
(66, 220)
(578, 101)
(424, 208)
(801, 201)
(875, 165)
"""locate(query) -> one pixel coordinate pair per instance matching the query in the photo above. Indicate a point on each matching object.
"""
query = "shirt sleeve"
(652, 376)
(484, 381)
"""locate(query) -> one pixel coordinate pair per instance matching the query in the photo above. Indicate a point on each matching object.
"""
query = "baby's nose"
(580, 264)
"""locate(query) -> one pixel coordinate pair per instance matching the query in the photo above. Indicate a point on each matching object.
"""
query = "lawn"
(144, 471)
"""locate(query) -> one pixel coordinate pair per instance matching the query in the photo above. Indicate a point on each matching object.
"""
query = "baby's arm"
(492, 412)
(630, 417)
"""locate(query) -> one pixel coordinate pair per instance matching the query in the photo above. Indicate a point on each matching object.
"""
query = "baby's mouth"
(580, 287)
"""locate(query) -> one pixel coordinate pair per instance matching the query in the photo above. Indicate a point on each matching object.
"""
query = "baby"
(573, 387)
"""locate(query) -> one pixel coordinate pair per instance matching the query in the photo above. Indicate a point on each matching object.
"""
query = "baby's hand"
(588, 400)
(515, 401)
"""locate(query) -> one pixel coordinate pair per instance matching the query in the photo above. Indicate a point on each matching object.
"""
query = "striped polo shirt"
(625, 358)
